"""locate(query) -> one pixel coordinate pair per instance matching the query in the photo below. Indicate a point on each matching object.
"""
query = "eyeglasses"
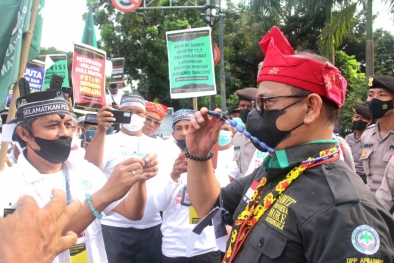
(260, 101)
(150, 120)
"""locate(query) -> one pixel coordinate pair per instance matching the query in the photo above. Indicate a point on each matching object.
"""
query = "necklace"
(254, 210)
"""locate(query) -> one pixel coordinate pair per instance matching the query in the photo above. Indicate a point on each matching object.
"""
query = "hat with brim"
(386, 82)
(362, 110)
(248, 94)
(91, 119)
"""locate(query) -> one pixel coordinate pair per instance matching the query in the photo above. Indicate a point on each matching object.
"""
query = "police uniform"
(243, 153)
(324, 215)
(385, 193)
(376, 152)
(356, 147)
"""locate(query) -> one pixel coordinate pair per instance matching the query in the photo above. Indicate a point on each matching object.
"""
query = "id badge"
(78, 253)
(185, 197)
(193, 217)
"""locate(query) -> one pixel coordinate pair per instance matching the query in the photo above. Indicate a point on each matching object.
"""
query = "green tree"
(356, 91)
(384, 53)
(140, 38)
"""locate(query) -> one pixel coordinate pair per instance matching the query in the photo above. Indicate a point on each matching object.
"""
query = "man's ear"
(23, 133)
(314, 104)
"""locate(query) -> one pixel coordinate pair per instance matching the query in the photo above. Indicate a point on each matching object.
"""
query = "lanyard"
(66, 185)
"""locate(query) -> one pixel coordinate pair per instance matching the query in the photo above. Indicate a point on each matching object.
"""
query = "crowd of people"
(271, 180)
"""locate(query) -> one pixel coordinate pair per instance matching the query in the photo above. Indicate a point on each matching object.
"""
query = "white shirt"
(176, 229)
(22, 178)
(110, 98)
(119, 147)
(222, 171)
(77, 155)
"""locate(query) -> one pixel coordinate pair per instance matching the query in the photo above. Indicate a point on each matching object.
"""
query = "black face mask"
(243, 114)
(359, 125)
(264, 127)
(181, 144)
(54, 151)
(378, 108)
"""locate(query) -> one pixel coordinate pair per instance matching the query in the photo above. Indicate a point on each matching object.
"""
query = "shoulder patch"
(365, 239)
(371, 126)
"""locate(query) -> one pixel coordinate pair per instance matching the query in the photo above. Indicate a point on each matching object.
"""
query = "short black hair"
(26, 124)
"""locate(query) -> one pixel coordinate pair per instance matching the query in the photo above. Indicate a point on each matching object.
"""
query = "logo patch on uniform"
(366, 240)
(363, 154)
(86, 184)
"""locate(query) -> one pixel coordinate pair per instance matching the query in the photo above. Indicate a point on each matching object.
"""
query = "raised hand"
(151, 166)
(180, 166)
(203, 133)
(104, 118)
(123, 177)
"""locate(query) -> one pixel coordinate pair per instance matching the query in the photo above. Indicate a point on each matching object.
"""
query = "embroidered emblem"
(363, 154)
(327, 82)
(384, 106)
(23, 102)
(370, 82)
(366, 240)
(273, 71)
(86, 184)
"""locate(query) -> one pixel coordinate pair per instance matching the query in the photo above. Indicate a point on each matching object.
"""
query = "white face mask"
(74, 140)
(135, 124)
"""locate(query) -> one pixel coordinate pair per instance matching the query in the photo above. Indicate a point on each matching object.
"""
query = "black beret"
(90, 118)
(248, 94)
(382, 81)
(362, 110)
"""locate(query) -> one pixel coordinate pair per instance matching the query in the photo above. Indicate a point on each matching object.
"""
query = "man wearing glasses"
(303, 204)
(155, 113)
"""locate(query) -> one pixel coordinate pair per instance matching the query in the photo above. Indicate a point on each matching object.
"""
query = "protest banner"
(88, 76)
(56, 64)
(190, 62)
(34, 74)
(117, 71)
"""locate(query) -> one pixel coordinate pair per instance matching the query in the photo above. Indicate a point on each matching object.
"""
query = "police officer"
(304, 204)
(243, 148)
(361, 119)
(377, 140)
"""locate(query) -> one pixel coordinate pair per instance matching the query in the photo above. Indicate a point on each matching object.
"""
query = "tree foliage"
(140, 38)
(357, 88)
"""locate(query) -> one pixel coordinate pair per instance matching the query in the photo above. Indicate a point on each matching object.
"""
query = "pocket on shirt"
(237, 153)
(265, 245)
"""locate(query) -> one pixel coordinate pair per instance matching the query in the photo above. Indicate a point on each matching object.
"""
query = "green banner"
(56, 64)
(190, 62)
(15, 20)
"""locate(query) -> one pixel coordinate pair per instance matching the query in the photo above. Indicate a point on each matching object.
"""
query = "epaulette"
(371, 126)
(340, 183)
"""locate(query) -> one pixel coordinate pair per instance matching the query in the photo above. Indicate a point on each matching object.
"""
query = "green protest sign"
(56, 64)
(190, 62)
